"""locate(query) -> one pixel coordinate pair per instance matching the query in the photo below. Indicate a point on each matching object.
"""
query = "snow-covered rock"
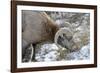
(82, 54)
(50, 52)
(47, 52)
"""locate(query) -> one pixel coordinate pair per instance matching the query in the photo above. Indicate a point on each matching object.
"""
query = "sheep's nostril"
(66, 46)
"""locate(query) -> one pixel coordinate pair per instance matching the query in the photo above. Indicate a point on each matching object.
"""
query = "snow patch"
(50, 52)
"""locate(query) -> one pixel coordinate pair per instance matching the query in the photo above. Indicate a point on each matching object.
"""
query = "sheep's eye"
(60, 40)
(67, 37)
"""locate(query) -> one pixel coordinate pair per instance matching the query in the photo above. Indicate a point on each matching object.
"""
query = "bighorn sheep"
(38, 26)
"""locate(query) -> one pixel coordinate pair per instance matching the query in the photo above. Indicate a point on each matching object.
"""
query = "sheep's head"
(64, 38)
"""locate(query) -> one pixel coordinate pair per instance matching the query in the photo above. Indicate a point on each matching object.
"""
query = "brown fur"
(37, 27)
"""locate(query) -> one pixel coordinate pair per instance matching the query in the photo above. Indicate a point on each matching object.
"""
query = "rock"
(82, 54)
(46, 51)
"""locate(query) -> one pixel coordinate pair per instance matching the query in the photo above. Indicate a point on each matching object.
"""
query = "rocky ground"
(50, 52)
